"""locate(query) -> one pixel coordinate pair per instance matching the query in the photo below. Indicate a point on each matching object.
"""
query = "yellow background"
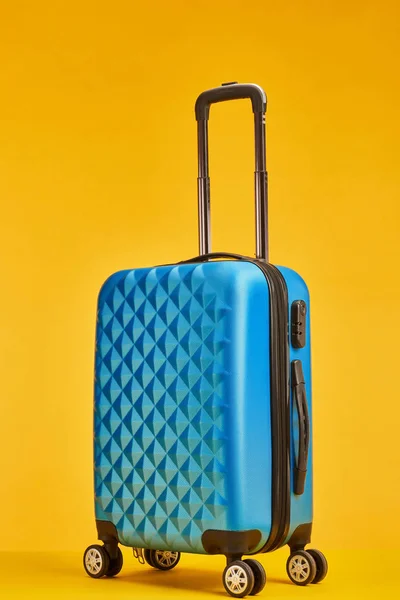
(98, 173)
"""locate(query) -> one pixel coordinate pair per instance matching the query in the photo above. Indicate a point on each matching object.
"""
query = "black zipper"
(280, 406)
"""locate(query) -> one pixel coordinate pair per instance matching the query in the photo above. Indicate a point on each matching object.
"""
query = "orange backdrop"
(98, 173)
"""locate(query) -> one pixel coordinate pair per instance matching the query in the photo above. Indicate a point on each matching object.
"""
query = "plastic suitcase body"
(203, 402)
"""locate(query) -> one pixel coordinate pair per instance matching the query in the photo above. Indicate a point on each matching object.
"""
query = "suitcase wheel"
(238, 578)
(322, 565)
(165, 560)
(301, 567)
(260, 576)
(97, 562)
(115, 564)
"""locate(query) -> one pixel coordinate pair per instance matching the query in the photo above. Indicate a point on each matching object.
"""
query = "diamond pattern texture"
(160, 417)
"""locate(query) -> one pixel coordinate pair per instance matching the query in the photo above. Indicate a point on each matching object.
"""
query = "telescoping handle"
(233, 91)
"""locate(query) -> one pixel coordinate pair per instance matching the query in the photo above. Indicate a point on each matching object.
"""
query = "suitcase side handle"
(233, 91)
(299, 392)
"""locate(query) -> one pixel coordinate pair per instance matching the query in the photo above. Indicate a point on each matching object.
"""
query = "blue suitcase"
(202, 428)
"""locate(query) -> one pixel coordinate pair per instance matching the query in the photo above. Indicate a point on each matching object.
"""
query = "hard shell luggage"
(202, 419)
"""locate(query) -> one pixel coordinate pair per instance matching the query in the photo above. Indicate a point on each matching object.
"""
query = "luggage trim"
(300, 537)
(217, 541)
(106, 531)
(280, 406)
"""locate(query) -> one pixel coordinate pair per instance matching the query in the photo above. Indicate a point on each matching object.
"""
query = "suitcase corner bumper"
(106, 531)
(300, 537)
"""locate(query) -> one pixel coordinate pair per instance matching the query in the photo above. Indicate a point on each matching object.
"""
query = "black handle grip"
(231, 91)
(299, 392)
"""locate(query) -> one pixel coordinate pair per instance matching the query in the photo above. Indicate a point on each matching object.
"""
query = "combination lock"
(298, 323)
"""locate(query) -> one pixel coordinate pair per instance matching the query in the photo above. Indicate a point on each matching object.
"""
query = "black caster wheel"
(322, 565)
(96, 561)
(260, 576)
(238, 579)
(162, 559)
(115, 564)
(301, 568)
(147, 557)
